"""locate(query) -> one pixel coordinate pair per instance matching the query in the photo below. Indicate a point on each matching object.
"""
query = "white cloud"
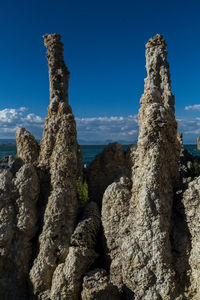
(13, 118)
(190, 127)
(192, 107)
(108, 128)
(114, 128)
(89, 129)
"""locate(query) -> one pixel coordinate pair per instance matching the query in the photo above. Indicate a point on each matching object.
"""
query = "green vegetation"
(82, 189)
(196, 168)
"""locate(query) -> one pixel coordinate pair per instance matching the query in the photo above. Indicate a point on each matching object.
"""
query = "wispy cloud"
(108, 128)
(190, 127)
(192, 107)
(115, 128)
(13, 118)
(89, 129)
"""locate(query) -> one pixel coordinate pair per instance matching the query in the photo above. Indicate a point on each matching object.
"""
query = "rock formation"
(67, 279)
(45, 235)
(115, 210)
(27, 146)
(96, 285)
(155, 177)
(106, 167)
(144, 242)
(51, 248)
(57, 157)
(191, 204)
(189, 165)
(18, 215)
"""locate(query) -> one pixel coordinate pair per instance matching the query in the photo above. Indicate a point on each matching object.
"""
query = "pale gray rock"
(27, 146)
(115, 208)
(191, 206)
(150, 208)
(7, 213)
(144, 241)
(146, 250)
(18, 218)
(67, 278)
(189, 165)
(57, 165)
(97, 285)
(11, 160)
(59, 107)
(54, 240)
(130, 160)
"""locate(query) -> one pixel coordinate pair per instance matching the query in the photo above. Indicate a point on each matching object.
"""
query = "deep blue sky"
(104, 51)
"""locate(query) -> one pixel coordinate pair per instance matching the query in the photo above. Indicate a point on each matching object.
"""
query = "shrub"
(196, 168)
(82, 189)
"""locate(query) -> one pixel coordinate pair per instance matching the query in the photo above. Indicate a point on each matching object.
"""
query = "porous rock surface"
(155, 177)
(191, 204)
(18, 215)
(42, 229)
(97, 285)
(144, 240)
(67, 279)
(189, 165)
(58, 158)
(186, 240)
(149, 245)
(115, 208)
(27, 146)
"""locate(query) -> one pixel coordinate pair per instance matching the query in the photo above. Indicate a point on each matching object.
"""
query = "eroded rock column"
(147, 268)
(191, 209)
(143, 243)
(58, 158)
(67, 279)
(18, 226)
(27, 146)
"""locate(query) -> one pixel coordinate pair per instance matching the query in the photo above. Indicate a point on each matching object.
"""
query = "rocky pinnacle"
(142, 254)
(49, 249)
(154, 177)
(58, 162)
(58, 72)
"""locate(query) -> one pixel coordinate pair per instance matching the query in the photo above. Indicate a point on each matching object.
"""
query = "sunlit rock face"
(51, 249)
(143, 243)
(191, 202)
(58, 158)
(155, 177)
(27, 146)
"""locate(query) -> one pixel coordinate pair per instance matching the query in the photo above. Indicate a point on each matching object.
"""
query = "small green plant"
(196, 168)
(82, 189)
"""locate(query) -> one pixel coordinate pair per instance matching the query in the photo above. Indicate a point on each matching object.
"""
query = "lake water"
(8, 147)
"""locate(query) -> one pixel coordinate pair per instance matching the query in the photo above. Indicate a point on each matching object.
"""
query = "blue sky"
(105, 53)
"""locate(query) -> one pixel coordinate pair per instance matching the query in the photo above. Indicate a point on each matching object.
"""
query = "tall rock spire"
(158, 83)
(58, 72)
(59, 107)
(58, 160)
(155, 176)
(144, 256)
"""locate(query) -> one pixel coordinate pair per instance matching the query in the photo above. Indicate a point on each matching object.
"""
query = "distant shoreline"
(13, 141)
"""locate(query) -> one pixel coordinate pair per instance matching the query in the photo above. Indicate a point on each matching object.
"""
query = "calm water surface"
(89, 151)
